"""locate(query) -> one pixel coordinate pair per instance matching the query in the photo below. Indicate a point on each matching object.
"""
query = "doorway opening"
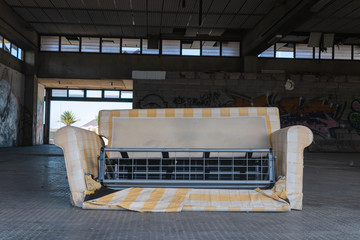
(80, 108)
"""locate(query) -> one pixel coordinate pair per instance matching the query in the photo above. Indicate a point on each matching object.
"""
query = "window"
(210, 48)
(342, 52)
(76, 93)
(326, 53)
(1, 41)
(110, 45)
(190, 48)
(49, 43)
(268, 52)
(111, 94)
(303, 51)
(70, 44)
(90, 44)
(127, 94)
(171, 47)
(59, 93)
(14, 50)
(317, 53)
(130, 46)
(230, 49)
(93, 93)
(284, 50)
(20, 54)
(153, 46)
(7, 45)
(356, 52)
(147, 50)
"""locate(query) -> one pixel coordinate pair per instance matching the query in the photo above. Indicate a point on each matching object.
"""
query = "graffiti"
(245, 101)
(9, 112)
(354, 115)
(152, 101)
(209, 99)
(321, 116)
(40, 114)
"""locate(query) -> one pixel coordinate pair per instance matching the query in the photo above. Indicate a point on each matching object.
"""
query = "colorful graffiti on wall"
(11, 84)
(354, 115)
(321, 116)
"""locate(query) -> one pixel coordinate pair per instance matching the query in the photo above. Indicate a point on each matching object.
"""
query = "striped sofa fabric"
(81, 148)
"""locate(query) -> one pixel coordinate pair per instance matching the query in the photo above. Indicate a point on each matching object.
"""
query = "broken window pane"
(70, 44)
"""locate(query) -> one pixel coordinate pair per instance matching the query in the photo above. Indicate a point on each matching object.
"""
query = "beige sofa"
(81, 148)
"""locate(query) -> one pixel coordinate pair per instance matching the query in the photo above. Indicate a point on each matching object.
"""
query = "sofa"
(236, 127)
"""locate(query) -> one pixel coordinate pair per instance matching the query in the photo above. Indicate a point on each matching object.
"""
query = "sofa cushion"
(239, 132)
(271, 115)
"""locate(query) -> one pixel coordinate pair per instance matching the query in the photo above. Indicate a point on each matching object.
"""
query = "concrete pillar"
(47, 116)
(30, 108)
(250, 64)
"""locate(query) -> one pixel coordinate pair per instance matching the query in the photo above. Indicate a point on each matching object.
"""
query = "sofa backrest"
(245, 121)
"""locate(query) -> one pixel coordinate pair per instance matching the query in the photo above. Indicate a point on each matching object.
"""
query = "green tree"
(68, 118)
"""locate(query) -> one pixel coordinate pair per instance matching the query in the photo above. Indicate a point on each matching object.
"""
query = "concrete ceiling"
(139, 18)
(257, 23)
(333, 16)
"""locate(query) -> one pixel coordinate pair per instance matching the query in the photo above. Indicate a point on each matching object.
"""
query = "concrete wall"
(115, 66)
(308, 66)
(328, 104)
(11, 102)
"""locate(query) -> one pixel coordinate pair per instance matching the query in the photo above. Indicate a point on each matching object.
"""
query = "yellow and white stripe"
(179, 199)
(142, 200)
(81, 148)
(288, 144)
(106, 116)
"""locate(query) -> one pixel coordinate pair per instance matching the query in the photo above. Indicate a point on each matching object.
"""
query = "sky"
(85, 111)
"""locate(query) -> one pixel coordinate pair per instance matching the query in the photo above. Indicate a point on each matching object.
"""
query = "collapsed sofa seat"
(186, 199)
(182, 199)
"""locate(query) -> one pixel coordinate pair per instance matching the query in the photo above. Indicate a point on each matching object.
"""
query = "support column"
(30, 100)
(47, 116)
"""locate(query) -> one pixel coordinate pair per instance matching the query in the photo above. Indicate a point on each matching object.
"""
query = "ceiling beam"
(282, 19)
(135, 11)
(118, 84)
(118, 25)
(16, 29)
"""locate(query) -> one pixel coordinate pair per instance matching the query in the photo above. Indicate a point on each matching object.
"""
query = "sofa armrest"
(81, 148)
(288, 144)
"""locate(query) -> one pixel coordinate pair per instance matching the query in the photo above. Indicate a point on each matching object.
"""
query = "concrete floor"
(35, 205)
